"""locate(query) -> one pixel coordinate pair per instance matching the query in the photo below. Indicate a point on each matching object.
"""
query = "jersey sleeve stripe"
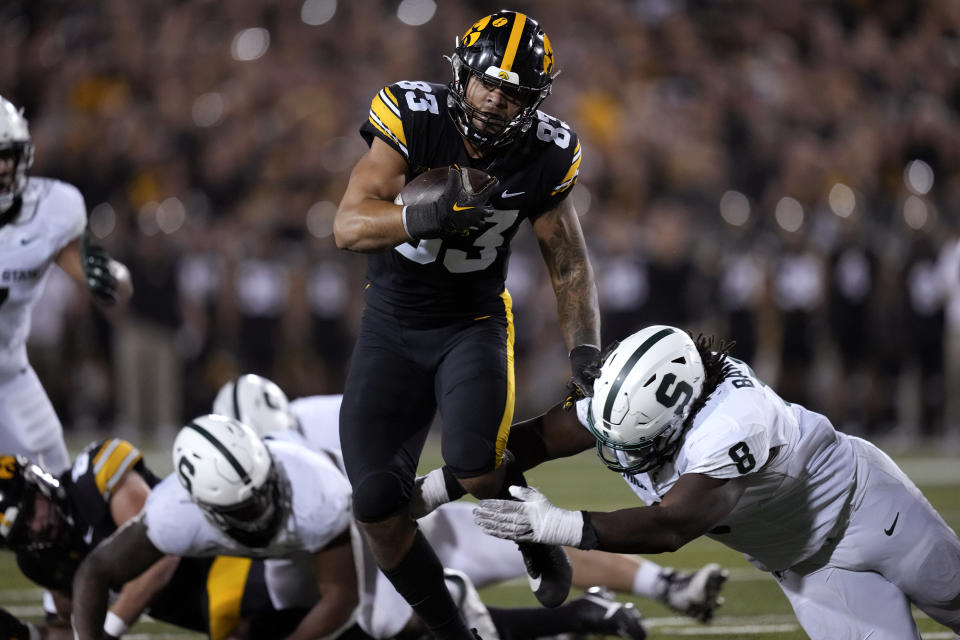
(386, 132)
(393, 99)
(388, 116)
(112, 461)
(514, 42)
(571, 176)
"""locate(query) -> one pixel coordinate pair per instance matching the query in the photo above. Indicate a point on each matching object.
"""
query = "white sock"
(647, 578)
(49, 605)
(453, 586)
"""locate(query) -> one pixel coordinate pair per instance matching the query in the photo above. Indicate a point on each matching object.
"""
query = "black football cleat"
(600, 614)
(549, 572)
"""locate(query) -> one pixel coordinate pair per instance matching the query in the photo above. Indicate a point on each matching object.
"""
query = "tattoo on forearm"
(575, 288)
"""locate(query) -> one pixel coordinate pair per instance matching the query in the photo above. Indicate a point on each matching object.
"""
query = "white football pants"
(895, 551)
(28, 424)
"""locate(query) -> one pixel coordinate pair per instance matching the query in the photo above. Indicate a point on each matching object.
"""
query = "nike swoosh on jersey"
(457, 207)
(889, 531)
(27, 240)
(507, 194)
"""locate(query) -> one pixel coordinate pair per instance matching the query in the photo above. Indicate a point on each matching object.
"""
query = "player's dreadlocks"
(713, 352)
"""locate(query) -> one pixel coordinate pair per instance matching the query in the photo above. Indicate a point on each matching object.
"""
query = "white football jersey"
(319, 418)
(52, 215)
(321, 510)
(458, 541)
(800, 471)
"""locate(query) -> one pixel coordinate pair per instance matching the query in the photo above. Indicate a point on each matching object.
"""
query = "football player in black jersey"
(437, 332)
(52, 523)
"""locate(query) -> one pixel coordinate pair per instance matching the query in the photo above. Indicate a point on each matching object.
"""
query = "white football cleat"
(694, 593)
(472, 609)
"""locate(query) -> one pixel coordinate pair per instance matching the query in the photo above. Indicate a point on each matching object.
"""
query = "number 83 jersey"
(799, 471)
(463, 276)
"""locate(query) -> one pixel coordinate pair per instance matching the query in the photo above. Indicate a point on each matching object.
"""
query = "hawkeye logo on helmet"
(8, 467)
(547, 55)
(507, 76)
(473, 33)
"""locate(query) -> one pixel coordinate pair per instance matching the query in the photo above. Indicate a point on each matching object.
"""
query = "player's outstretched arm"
(564, 251)
(690, 509)
(554, 434)
(118, 559)
(367, 219)
(127, 500)
(337, 586)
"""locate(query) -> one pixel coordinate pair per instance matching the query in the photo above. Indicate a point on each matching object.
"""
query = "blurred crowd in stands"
(781, 174)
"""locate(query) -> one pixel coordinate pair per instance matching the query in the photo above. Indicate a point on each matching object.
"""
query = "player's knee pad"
(469, 455)
(379, 495)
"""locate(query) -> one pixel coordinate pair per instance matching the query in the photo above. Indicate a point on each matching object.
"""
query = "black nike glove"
(96, 270)
(585, 365)
(11, 628)
(457, 213)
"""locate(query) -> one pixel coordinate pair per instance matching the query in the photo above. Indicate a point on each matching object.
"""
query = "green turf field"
(755, 609)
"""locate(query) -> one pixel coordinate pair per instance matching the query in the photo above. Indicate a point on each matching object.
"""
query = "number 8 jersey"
(800, 471)
(463, 277)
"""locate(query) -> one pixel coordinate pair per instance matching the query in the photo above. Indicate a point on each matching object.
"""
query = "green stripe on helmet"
(222, 449)
(625, 370)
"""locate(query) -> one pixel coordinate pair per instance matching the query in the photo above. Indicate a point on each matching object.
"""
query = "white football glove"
(533, 519)
(429, 492)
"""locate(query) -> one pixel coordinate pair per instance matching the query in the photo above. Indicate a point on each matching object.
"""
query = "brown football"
(429, 185)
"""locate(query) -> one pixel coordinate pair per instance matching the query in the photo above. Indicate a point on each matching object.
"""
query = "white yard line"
(666, 626)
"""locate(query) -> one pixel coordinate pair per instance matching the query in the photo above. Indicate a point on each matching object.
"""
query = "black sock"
(419, 579)
(516, 623)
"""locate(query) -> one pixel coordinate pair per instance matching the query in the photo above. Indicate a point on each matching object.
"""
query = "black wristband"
(455, 490)
(421, 221)
(588, 537)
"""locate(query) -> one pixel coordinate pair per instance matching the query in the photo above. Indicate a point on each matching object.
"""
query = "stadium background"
(781, 174)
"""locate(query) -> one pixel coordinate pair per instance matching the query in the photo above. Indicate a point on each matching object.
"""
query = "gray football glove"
(532, 519)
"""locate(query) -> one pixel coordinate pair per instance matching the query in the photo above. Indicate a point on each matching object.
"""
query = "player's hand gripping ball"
(449, 202)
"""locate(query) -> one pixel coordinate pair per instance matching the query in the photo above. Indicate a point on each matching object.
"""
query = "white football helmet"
(228, 471)
(15, 144)
(646, 386)
(258, 403)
